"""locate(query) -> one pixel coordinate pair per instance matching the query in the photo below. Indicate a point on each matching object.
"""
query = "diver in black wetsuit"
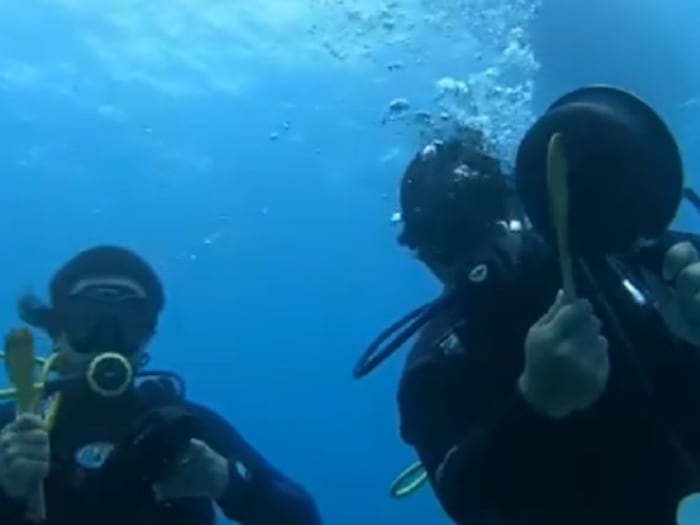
(147, 456)
(526, 408)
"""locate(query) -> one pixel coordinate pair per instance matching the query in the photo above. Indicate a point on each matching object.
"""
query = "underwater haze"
(251, 150)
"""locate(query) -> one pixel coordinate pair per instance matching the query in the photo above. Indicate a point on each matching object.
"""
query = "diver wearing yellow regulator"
(118, 443)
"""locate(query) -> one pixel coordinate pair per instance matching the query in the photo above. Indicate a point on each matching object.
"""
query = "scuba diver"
(555, 380)
(120, 444)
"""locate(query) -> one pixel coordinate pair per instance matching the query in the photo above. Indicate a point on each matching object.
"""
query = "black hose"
(395, 336)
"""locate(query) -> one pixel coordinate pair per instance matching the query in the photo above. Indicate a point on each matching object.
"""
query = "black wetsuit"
(257, 493)
(492, 460)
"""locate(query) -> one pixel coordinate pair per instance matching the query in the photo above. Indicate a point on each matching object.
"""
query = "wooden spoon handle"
(19, 361)
(558, 187)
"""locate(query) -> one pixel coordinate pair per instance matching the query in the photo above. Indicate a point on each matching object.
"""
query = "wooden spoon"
(19, 361)
(558, 187)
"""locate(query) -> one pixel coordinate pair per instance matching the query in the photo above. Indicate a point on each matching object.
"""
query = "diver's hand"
(24, 455)
(566, 360)
(679, 304)
(201, 473)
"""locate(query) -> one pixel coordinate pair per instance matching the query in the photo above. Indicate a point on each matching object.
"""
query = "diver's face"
(73, 362)
(451, 275)
(458, 266)
(446, 274)
(107, 314)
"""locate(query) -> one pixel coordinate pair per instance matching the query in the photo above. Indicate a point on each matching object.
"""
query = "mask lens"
(97, 326)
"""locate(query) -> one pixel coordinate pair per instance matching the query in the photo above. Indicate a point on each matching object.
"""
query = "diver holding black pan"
(557, 378)
(119, 444)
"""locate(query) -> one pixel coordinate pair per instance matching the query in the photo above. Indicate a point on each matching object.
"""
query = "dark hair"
(450, 192)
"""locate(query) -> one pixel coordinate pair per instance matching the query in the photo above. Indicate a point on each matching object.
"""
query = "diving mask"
(94, 326)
